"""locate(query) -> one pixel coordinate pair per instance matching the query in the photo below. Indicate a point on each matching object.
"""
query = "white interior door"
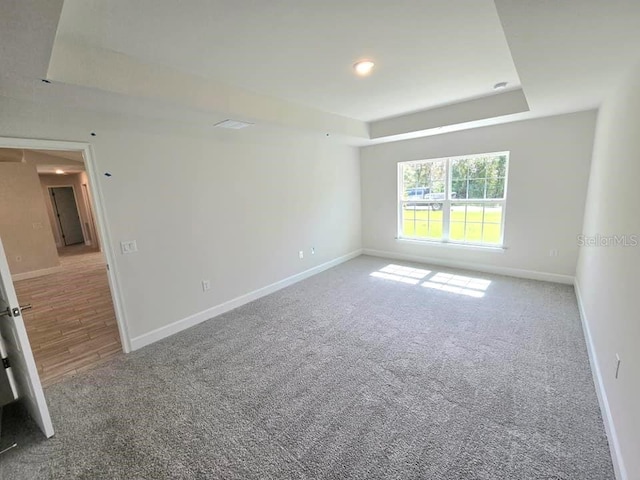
(8, 387)
(19, 352)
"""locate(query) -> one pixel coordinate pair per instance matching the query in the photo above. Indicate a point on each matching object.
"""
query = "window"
(454, 200)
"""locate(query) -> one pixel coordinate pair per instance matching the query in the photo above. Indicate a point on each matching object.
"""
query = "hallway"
(72, 325)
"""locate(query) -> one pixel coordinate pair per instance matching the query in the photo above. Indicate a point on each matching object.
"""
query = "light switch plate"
(128, 246)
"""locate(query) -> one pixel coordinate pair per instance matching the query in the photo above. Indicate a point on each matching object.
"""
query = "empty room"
(320, 240)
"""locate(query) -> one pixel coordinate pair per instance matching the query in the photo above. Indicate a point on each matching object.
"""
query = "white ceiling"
(52, 169)
(46, 161)
(49, 161)
(68, 157)
(27, 32)
(427, 52)
(287, 63)
(570, 54)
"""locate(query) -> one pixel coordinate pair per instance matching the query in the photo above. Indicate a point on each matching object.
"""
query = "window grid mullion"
(483, 210)
(446, 204)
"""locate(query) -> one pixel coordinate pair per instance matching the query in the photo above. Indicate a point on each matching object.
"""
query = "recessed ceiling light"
(60, 172)
(500, 86)
(363, 67)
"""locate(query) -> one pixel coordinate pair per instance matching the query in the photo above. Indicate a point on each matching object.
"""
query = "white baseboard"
(610, 429)
(36, 273)
(175, 327)
(480, 267)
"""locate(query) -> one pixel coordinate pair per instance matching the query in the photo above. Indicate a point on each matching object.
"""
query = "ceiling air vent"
(233, 124)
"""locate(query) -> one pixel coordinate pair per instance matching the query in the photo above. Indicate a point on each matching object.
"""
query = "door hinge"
(15, 312)
(10, 312)
(5, 363)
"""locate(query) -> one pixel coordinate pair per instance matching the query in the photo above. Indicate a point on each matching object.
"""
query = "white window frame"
(446, 203)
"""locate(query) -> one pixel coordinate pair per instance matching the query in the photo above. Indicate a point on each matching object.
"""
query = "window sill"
(453, 245)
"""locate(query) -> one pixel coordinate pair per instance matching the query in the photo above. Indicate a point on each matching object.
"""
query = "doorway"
(65, 208)
(75, 322)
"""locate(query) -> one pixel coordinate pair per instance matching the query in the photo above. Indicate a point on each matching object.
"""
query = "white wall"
(608, 277)
(234, 207)
(548, 175)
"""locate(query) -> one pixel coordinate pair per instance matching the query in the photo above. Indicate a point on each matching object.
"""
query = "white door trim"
(98, 206)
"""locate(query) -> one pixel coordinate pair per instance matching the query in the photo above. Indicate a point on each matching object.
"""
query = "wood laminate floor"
(72, 325)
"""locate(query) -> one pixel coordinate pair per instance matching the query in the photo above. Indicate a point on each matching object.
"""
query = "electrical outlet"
(313, 250)
(206, 285)
(618, 362)
(553, 252)
(37, 225)
(301, 254)
(128, 246)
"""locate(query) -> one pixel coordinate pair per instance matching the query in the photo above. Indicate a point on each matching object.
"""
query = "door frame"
(86, 197)
(97, 201)
(54, 207)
